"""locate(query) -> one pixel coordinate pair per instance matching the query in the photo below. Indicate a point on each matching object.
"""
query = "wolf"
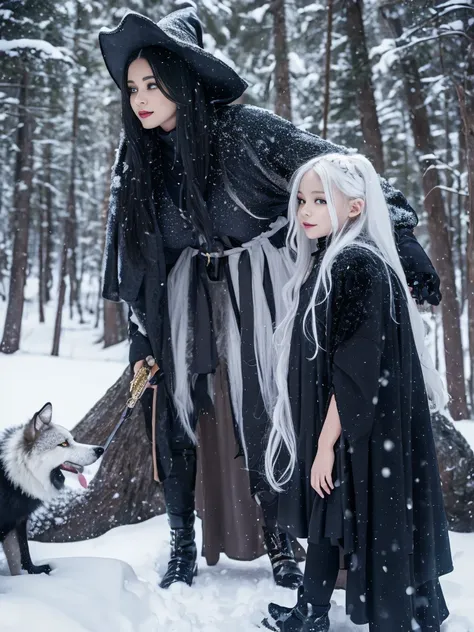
(32, 460)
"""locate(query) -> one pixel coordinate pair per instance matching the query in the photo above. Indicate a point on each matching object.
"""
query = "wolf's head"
(36, 455)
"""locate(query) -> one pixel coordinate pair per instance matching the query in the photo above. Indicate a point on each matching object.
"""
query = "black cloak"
(386, 510)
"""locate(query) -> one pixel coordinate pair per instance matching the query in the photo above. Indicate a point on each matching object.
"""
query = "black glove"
(420, 273)
(425, 287)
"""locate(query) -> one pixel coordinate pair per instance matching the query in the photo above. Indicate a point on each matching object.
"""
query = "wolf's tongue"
(82, 480)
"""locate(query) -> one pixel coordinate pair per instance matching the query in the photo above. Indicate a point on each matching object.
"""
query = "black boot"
(286, 571)
(280, 613)
(179, 498)
(182, 566)
(304, 617)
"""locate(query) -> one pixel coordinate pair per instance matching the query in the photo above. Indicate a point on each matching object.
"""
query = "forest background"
(392, 79)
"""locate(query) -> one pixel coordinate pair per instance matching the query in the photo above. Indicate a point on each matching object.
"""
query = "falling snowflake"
(354, 565)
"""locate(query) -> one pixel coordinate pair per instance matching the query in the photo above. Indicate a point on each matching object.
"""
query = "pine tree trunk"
(45, 237)
(364, 93)
(61, 297)
(74, 278)
(123, 491)
(282, 69)
(41, 249)
(48, 255)
(71, 224)
(69, 228)
(438, 227)
(327, 73)
(3, 250)
(466, 102)
(21, 223)
(115, 324)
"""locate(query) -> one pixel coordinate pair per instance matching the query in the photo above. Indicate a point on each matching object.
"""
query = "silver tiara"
(347, 166)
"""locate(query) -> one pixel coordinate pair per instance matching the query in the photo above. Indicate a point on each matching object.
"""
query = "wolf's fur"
(32, 458)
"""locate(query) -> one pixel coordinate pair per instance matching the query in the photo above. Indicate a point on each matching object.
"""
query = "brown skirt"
(231, 519)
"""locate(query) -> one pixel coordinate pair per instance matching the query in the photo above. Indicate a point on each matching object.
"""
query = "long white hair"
(354, 176)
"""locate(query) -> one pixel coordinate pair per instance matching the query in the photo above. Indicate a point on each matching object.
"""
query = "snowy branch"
(392, 52)
(12, 48)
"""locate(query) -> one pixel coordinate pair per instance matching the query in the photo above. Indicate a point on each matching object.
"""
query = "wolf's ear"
(43, 417)
(40, 421)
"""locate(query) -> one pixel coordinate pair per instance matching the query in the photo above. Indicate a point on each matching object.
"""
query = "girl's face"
(150, 105)
(313, 212)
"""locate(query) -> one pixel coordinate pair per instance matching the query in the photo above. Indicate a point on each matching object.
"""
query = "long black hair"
(194, 119)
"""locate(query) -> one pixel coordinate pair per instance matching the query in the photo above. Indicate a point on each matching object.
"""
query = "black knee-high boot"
(286, 571)
(179, 490)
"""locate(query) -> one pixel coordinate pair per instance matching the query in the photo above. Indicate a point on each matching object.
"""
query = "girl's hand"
(321, 472)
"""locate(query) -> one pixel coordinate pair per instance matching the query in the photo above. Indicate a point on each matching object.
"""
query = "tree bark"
(48, 255)
(282, 66)
(123, 491)
(68, 228)
(44, 249)
(70, 222)
(115, 323)
(21, 223)
(466, 102)
(327, 73)
(41, 250)
(437, 225)
(74, 282)
(364, 92)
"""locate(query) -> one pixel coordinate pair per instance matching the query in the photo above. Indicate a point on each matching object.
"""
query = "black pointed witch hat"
(180, 32)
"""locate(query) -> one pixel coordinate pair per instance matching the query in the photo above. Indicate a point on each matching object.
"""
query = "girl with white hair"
(351, 446)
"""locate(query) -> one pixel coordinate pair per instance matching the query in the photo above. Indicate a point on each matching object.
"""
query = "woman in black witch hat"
(194, 247)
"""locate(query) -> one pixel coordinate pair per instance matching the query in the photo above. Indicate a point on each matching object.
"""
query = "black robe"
(387, 509)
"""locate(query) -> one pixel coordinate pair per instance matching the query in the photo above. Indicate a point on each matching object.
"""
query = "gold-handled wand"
(140, 381)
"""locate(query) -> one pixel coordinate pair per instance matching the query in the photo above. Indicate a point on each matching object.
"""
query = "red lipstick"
(144, 114)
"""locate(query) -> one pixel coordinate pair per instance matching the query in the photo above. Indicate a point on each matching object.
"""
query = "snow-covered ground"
(110, 584)
(90, 590)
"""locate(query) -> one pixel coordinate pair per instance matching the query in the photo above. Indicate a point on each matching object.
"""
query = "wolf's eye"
(64, 444)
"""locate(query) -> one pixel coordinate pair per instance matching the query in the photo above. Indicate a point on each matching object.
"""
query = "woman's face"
(313, 212)
(150, 105)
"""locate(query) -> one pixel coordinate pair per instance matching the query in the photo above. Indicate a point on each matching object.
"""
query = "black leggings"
(322, 568)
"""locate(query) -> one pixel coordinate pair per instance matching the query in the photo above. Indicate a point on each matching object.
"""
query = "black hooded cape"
(386, 510)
